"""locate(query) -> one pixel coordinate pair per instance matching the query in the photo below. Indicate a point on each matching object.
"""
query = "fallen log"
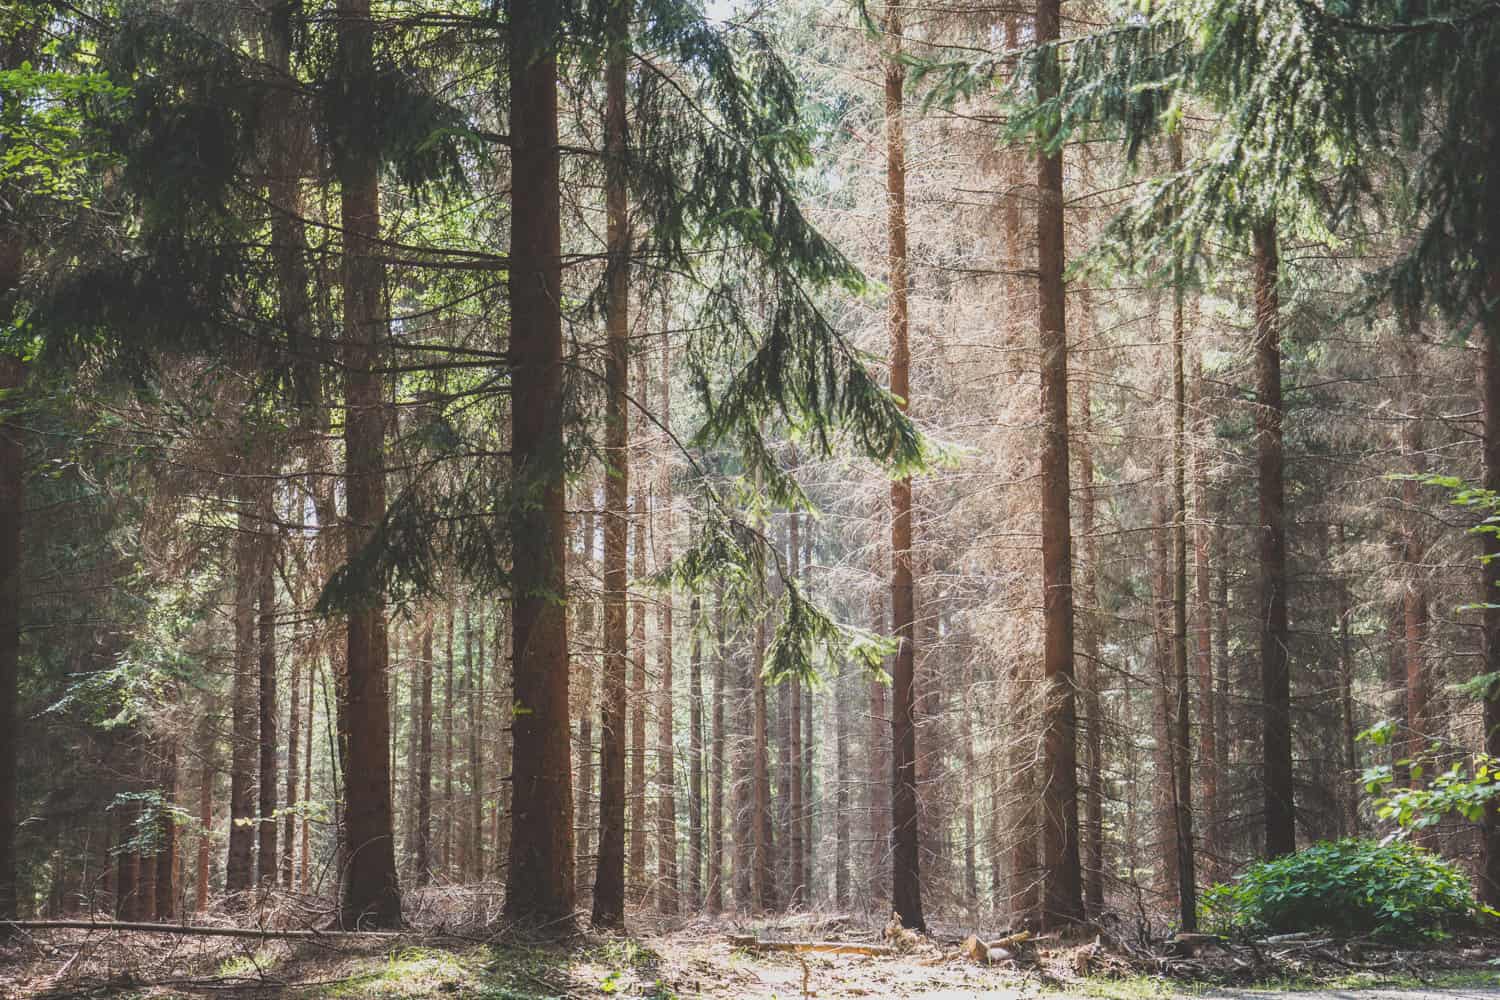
(750, 943)
(194, 929)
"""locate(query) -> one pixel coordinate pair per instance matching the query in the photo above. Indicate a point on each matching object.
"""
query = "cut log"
(750, 943)
(145, 928)
(1186, 944)
(984, 952)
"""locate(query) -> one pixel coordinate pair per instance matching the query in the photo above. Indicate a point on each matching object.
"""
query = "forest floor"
(699, 960)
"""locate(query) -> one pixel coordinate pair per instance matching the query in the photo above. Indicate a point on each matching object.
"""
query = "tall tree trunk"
(1419, 728)
(1275, 657)
(906, 886)
(1346, 704)
(809, 832)
(449, 867)
(879, 774)
(370, 894)
(166, 832)
(796, 808)
(12, 506)
(1489, 542)
(293, 737)
(666, 777)
(589, 625)
(763, 836)
(266, 855)
(1163, 785)
(695, 753)
(717, 762)
(638, 877)
(842, 832)
(312, 675)
(541, 885)
(1062, 885)
(1093, 702)
(742, 785)
(1187, 895)
(239, 866)
(609, 878)
(1208, 735)
(474, 678)
(424, 762)
(208, 753)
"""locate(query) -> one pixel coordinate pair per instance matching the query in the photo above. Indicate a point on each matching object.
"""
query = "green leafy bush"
(1347, 887)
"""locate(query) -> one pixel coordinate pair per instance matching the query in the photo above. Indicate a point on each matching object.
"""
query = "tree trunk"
(1275, 658)
(312, 673)
(12, 506)
(1062, 885)
(906, 887)
(695, 752)
(424, 763)
(293, 737)
(1489, 542)
(208, 754)
(763, 836)
(717, 762)
(880, 773)
(1208, 736)
(449, 840)
(474, 823)
(370, 896)
(609, 878)
(1415, 616)
(796, 807)
(1346, 705)
(541, 885)
(267, 856)
(638, 877)
(1093, 797)
(842, 832)
(666, 777)
(166, 859)
(239, 866)
(1187, 895)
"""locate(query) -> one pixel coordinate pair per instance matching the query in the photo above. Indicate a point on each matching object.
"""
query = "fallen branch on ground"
(830, 947)
(144, 928)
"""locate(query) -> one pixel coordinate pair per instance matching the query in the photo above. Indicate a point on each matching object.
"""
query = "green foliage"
(1458, 789)
(1347, 886)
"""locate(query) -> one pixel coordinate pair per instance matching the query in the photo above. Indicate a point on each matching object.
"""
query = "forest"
(602, 465)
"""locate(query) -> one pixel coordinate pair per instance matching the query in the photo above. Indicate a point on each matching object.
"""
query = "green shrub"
(1347, 887)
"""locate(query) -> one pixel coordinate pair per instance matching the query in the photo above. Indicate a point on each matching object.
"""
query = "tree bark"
(1093, 702)
(796, 808)
(1187, 896)
(239, 866)
(541, 887)
(666, 777)
(880, 773)
(267, 856)
(1208, 735)
(609, 879)
(842, 831)
(370, 895)
(424, 762)
(449, 841)
(717, 762)
(638, 877)
(12, 507)
(906, 886)
(208, 754)
(1275, 658)
(166, 858)
(695, 752)
(1062, 886)
(1489, 543)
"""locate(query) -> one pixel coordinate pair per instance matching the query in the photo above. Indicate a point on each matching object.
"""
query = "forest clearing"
(752, 497)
